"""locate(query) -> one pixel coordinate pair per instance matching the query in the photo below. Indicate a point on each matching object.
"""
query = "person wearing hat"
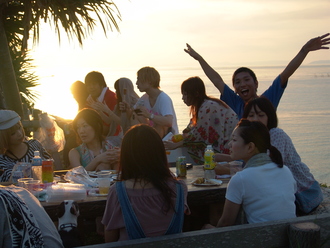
(14, 145)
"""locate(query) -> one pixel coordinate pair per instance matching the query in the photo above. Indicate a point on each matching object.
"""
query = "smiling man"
(245, 82)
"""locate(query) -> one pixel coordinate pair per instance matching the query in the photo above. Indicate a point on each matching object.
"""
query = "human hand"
(105, 157)
(123, 106)
(114, 154)
(192, 52)
(169, 145)
(317, 43)
(142, 111)
(99, 106)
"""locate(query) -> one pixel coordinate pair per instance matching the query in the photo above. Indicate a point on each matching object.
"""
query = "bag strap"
(132, 224)
(178, 216)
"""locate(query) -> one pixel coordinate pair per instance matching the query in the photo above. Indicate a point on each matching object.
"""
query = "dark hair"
(143, 156)
(195, 89)
(244, 69)
(265, 106)
(80, 93)
(95, 77)
(93, 119)
(257, 133)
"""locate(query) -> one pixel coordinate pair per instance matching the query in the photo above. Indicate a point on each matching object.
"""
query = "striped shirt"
(7, 163)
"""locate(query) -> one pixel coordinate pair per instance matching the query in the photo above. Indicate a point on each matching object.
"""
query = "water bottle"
(37, 166)
(209, 164)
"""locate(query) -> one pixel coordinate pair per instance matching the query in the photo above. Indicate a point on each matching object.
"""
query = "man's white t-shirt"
(163, 106)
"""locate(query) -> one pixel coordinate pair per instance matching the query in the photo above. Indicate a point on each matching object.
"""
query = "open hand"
(317, 43)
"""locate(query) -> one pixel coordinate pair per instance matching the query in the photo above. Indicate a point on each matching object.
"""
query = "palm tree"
(77, 18)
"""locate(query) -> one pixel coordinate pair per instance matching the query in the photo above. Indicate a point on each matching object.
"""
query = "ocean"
(303, 113)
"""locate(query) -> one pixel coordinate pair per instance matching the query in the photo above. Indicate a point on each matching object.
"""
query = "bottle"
(36, 166)
(47, 171)
(181, 169)
(209, 164)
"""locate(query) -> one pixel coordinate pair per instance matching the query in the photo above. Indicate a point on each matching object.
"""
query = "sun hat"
(8, 118)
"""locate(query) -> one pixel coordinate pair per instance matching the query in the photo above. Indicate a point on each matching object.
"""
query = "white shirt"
(163, 106)
(266, 192)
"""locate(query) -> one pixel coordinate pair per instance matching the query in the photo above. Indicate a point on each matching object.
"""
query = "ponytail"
(276, 156)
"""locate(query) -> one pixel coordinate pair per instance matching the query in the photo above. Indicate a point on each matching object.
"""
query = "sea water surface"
(303, 113)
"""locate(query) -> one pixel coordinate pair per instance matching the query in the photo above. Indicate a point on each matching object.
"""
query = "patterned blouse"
(86, 155)
(7, 163)
(291, 158)
(214, 126)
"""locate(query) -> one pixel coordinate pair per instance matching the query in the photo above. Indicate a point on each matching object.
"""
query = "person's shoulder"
(109, 92)
(33, 142)
(276, 132)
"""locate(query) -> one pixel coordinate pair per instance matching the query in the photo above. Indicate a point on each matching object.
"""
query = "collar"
(258, 160)
(63, 226)
(101, 96)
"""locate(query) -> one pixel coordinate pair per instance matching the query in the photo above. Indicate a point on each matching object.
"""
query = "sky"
(154, 33)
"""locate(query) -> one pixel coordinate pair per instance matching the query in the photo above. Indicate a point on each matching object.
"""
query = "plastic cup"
(103, 179)
(103, 174)
(34, 187)
(21, 181)
(104, 185)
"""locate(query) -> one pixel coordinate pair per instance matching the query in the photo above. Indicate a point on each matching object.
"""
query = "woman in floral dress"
(212, 122)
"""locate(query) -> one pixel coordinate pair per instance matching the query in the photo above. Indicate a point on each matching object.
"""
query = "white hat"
(8, 118)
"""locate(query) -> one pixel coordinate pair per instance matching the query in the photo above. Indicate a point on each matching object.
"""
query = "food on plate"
(199, 180)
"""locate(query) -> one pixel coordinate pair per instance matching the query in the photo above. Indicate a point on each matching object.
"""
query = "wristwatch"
(151, 116)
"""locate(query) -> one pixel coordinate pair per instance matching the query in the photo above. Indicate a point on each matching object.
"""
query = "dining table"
(200, 199)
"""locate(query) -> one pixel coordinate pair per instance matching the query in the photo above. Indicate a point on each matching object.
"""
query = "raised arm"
(208, 70)
(314, 44)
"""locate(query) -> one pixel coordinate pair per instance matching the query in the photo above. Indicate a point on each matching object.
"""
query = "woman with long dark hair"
(147, 200)
(212, 121)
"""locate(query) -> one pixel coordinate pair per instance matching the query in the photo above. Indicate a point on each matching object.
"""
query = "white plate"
(94, 173)
(213, 182)
(96, 194)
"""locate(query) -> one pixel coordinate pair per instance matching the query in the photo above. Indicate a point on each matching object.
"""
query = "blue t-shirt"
(273, 93)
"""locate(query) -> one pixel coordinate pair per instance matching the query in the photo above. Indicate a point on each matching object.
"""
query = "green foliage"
(77, 18)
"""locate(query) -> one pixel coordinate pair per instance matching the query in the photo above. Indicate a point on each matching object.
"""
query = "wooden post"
(304, 235)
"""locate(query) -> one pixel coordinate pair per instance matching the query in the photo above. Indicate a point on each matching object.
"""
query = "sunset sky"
(227, 33)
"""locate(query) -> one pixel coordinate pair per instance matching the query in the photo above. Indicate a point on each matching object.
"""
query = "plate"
(96, 194)
(212, 182)
(94, 173)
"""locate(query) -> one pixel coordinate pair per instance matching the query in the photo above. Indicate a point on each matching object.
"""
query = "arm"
(111, 236)
(74, 158)
(170, 145)
(110, 115)
(159, 120)
(208, 70)
(221, 157)
(229, 214)
(312, 45)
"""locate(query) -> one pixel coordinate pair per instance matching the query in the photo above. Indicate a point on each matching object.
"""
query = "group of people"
(122, 131)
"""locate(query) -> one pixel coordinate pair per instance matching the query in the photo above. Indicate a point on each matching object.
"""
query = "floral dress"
(214, 126)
